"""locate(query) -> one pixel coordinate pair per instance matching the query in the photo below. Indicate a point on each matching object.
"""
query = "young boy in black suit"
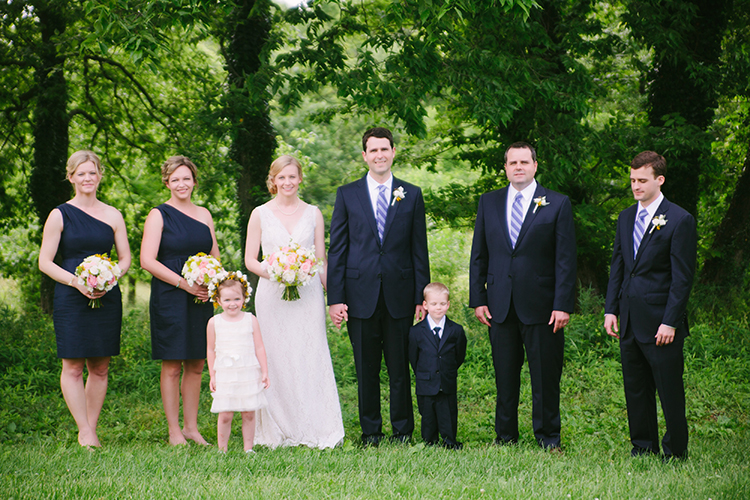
(437, 347)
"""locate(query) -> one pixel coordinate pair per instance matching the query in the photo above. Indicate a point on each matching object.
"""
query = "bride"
(303, 402)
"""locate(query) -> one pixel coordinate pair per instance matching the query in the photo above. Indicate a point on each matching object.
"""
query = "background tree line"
(233, 83)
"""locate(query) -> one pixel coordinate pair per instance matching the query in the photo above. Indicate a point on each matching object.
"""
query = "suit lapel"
(447, 332)
(530, 214)
(648, 232)
(430, 334)
(502, 211)
(363, 193)
(393, 207)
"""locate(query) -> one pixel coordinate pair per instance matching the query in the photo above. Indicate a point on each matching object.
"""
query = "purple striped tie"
(638, 230)
(382, 210)
(516, 219)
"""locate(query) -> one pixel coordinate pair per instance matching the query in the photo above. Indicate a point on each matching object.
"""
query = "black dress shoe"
(401, 438)
(637, 451)
(453, 446)
(372, 439)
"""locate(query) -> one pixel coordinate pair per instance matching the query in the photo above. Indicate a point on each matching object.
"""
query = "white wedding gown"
(303, 401)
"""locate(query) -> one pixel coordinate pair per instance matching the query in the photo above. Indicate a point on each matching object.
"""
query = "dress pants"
(544, 350)
(372, 338)
(647, 368)
(439, 414)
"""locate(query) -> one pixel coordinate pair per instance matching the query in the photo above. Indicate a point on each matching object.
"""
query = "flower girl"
(236, 360)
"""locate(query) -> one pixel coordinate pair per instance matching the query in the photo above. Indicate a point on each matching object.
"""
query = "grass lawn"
(39, 456)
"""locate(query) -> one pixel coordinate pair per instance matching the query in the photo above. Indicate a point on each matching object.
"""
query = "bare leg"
(170, 397)
(71, 383)
(224, 428)
(191, 391)
(96, 388)
(248, 429)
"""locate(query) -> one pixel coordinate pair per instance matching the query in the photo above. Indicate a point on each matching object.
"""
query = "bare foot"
(177, 439)
(194, 436)
(88, 439)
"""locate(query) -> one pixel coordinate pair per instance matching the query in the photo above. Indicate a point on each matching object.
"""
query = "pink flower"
(306, 266)
(291, 258)
(211, 273)
(91, 281)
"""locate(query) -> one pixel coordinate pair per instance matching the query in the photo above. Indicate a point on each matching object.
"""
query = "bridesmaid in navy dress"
(86, 337)
(174, 231)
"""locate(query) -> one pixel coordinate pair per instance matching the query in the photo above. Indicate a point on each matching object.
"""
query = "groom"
(377, 268)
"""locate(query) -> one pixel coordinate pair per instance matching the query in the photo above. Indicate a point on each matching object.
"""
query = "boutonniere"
(540, 201)
(657, 222)
(398, 195)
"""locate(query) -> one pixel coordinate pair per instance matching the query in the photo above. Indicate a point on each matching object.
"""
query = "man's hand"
(338, 313)
(559, 319)
(610, 324)
(483, 315)
(665, 335)
(420, 312)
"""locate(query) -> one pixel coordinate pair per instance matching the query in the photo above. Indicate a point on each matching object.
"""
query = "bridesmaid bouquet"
(201, 269)
(292, 266)
(98, 272)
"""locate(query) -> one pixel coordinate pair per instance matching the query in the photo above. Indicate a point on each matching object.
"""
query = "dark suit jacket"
(539, 274)
(436, 366)
(358, 262)
(653, 288)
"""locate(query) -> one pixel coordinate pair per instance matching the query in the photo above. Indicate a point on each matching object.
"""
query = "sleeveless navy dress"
(83, 332)
(178, 324)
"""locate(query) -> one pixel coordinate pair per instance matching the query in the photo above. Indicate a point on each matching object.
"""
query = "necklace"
(284, 213)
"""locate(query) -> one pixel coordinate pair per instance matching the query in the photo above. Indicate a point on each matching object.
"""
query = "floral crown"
(213, 287)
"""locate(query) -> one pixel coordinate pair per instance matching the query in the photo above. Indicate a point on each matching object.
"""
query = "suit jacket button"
(632, 275)
(379, 275)
(382, 252)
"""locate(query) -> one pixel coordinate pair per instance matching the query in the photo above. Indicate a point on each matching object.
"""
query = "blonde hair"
(175, 162)
(277, 166)
(436, 287)
(80, 157)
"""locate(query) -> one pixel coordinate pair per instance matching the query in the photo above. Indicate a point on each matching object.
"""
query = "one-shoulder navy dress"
(178, 324)
(83, 332)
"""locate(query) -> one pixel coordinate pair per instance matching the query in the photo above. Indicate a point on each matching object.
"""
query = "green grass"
(39, 456)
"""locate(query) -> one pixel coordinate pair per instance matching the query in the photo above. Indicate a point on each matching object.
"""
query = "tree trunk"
(675, 89)
(48, 185)
(728, 263)
(253, 136)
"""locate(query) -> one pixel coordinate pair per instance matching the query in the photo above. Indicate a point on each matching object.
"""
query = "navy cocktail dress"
(178, 324)
(83, 332)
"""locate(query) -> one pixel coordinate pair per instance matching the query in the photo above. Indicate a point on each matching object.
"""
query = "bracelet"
(178, 283)
(70, 283)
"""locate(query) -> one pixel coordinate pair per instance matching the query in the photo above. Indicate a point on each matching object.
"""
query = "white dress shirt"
(528, 196)
(433, 325)
(372, 186)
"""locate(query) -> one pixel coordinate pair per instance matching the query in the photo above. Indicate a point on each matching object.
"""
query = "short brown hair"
(82, 156)
(378, 132)
(652, 159)
(277, 166)
(175, 162)
(521, 145)
(436, 287)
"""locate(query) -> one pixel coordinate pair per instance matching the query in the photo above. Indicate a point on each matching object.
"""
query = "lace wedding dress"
(303, 402)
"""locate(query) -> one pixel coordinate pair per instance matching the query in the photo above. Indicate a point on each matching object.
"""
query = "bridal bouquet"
(98, 272)
(201, 269)
(292, 266)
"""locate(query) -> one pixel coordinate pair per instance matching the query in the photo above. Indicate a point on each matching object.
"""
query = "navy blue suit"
(646, 291)
(522, 286)
(381, 283)
(435, 368)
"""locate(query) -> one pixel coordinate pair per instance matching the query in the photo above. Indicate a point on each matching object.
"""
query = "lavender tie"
(382, 210)
(638, 230)
(516, 219)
